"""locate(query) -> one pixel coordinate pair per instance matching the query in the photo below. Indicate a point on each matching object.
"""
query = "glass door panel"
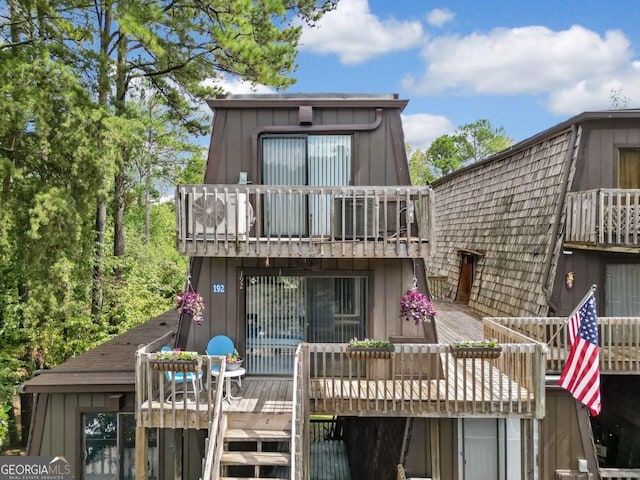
(283, 311)
(284, 163)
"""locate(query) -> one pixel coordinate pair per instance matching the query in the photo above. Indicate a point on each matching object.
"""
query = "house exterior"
(305, 233)
(526, 232)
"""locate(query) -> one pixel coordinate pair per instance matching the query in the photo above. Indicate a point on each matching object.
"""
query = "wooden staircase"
(256, 446)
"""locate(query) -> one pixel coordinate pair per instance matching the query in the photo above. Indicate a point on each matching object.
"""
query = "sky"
(523, 65)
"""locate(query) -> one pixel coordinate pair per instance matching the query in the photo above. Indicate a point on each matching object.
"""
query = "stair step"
(254, 435)
(256, 458)
(280, 421)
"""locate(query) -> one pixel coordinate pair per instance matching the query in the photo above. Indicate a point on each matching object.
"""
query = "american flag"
(581, 373)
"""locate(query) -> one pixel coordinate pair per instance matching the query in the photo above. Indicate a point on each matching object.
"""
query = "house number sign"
(217, 288)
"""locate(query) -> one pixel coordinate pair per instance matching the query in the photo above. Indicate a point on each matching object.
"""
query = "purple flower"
(416, 306)
(192, 304)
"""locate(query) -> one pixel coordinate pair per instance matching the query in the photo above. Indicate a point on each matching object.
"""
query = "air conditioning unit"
(356, 223)
(220, 214)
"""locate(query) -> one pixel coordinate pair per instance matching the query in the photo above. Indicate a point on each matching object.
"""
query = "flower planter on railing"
(370, 352)
(174, 364)
(475, 352)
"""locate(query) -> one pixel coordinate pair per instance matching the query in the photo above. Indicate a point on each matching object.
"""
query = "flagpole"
(584, 299)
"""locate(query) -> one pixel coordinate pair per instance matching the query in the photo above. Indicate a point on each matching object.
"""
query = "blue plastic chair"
(219, 345)
(222, 345)
(193, 378)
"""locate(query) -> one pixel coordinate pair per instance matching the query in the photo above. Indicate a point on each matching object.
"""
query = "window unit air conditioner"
(351, 223)
(220, 214)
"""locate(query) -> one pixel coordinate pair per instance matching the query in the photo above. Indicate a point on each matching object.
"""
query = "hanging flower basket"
(416, 306)
(175, 361)
(476, 349)
(192, 304)
(369, 349)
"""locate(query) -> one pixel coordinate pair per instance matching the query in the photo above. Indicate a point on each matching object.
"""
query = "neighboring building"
(526, 232)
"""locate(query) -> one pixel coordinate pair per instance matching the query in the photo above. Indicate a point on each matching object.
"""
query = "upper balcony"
(303, 221)
(604, 219)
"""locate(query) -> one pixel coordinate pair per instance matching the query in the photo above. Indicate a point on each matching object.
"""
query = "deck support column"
(434, 446)
(142, 453)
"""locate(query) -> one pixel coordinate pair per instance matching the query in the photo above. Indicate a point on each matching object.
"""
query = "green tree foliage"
(99, 103)
(470, 143)
(618, 100)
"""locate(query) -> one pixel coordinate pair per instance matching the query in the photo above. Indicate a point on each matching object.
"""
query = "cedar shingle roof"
(108, 367)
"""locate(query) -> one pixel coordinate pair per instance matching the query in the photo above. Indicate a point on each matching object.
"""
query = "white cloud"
(573, 67)
(236, 85)
(439, 16)
(353, 33)
(594, 94)
(421, 129)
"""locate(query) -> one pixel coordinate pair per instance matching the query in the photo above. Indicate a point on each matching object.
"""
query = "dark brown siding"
(561, 441)
(61, 432)
(597, 165)
(389, 279)
(235, 142)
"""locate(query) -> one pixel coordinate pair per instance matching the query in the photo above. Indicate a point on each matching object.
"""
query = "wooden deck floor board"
(454, 321)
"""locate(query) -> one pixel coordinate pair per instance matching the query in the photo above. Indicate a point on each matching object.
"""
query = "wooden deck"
(474, 386)
(257, 395)
(455, 321)
(418, 380)
(262, 395)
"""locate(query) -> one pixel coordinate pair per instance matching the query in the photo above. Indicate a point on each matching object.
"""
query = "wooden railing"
(292, 221)
(164, 401)
(619, 473)
(619, 340)
(217, 428)
(604, 217)
(437, 287)
(425, 380)
(300, 416)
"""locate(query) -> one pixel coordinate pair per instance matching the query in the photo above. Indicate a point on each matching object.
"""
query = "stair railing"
(298, 416)
(214, 447)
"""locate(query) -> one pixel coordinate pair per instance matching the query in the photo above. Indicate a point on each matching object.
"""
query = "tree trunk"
(119, 193)
(147, 200)
(120, 185)
(98, 266)
(97, 296)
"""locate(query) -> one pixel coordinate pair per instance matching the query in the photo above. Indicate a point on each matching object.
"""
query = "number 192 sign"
(217, 288)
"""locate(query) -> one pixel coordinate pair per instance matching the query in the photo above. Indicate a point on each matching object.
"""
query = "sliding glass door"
(283, 311)
(314, 160)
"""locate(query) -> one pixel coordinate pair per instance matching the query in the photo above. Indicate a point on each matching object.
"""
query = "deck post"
(142, 454)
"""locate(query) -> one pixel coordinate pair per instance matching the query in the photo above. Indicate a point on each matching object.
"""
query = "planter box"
(370, 352)
(174, 364)
(475, 352)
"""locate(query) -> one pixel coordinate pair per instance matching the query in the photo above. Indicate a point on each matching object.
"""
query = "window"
(314, 160)
(629, 168)
(109, 446)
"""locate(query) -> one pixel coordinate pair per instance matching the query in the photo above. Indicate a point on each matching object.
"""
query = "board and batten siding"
(561, 441)
(389, 280)
(505, 209)
(598, 162)
(374, 152)
(61, 425)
